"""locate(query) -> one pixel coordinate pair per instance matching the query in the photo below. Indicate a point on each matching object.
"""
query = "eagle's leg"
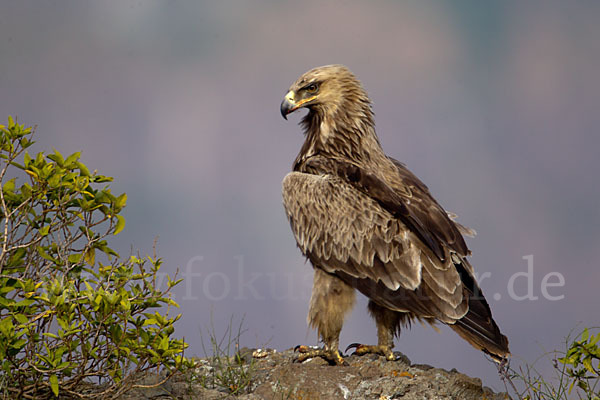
(388, 322)
(330, 301)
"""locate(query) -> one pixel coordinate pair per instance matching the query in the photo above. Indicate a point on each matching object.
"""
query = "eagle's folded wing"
(348, 233)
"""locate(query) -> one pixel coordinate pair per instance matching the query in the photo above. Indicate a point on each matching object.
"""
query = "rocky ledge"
(274, 375)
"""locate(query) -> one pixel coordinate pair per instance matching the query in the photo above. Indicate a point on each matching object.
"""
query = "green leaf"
(16, 259)
(9, 186)
(16, 164)
(57, 158)
(25, 143)
(172, 302)
(63, 365)
(587, 363)
(585, 335)
(121, 201)
(72, 158)
(54, 384)
(102, 178)
(74, 258)
(125, 304)
(120, 224)
(54, 180)
(42, 252)
(164, 343)
(6, 326)
(90, 256)
(18, 344)
(6, 289)
(63, 324)
(24, 303)
(571, 386)
(39, 160)
(83, 170)
(26, 190)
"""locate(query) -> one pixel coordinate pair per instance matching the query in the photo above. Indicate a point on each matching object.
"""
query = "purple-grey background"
(495, 105)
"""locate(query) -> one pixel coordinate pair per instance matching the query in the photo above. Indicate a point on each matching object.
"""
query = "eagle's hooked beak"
(288, 104)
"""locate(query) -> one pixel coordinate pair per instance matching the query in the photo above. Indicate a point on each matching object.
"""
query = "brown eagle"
(366, 222)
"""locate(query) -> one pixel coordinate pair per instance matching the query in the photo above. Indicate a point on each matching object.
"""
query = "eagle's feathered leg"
(330, 301)
(388, 324)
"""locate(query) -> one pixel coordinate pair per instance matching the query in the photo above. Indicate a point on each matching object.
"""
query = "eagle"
(367, 223)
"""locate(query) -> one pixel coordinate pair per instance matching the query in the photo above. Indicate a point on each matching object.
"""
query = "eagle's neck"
(346, 132)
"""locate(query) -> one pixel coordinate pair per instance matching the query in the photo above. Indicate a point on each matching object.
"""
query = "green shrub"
(583, 365)
(72, 311)
(577, 372)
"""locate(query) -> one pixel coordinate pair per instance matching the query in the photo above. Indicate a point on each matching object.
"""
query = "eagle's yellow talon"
(362, 349)
(302, 348)
(306, 352)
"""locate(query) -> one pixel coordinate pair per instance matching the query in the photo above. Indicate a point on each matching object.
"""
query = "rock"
(274, 375)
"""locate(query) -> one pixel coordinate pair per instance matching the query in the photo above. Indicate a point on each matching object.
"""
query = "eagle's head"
(326, 91)
(339, 119)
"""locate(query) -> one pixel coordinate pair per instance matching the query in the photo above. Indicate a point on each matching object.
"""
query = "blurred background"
(494, 105)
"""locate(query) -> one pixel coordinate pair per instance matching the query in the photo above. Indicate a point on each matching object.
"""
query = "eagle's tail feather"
(478, 327)
(480, 330)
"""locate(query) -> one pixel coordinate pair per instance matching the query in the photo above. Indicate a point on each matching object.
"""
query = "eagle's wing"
(351, 225)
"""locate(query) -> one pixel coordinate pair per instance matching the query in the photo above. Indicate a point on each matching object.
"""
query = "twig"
(503, 368)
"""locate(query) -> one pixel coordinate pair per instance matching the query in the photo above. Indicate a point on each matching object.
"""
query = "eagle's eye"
(312, 88)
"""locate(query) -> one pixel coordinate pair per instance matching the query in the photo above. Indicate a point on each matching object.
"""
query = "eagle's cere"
(366, 222)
